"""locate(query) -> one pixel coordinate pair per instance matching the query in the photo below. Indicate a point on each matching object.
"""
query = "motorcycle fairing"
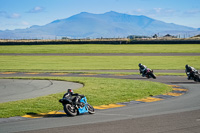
(83, 109)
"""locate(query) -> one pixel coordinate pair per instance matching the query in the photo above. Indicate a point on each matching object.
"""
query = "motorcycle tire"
(196, 78)
(70, 110)
(90, 109)
(153, 76)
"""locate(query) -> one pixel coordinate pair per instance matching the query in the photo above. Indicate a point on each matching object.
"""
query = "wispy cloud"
(193, 12)
(24, 23)
(3, 13)
(155, 12)
(15, 15)
(7, 15)
(36, 9)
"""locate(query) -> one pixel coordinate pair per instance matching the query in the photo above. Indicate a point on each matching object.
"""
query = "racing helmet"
(187, 66)
(70, 91)
(140, 65)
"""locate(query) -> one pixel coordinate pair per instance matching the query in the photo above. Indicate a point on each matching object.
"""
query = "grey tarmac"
(174, 115)
(18, 89)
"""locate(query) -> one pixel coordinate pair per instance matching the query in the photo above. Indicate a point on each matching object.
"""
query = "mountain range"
(108, 25)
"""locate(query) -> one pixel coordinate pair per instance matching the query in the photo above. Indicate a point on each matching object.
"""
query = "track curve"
(113, 120)
(18, 89)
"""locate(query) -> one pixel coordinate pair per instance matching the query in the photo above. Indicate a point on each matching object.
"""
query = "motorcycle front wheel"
(196, 78)
(153, 76)
(90, 109)
(70, 110)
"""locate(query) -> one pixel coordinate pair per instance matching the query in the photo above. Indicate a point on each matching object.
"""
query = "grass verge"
(62, 63)
(101, 48)
(97, 90)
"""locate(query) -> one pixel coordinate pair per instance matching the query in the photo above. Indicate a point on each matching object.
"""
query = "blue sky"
(19, 14)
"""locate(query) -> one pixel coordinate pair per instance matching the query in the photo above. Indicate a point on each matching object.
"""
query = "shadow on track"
(185, 82)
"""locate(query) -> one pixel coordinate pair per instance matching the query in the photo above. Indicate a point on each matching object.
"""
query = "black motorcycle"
(72, 108)
(194, 76)
(149, 74)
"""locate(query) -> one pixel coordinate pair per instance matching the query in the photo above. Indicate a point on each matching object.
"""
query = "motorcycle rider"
(190, 69)
(143, 69)
(75, 97)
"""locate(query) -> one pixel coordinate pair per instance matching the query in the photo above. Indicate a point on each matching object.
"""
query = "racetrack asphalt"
(174, 115)
(18, 89)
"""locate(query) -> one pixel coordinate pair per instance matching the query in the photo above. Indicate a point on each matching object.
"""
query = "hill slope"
(110, 24)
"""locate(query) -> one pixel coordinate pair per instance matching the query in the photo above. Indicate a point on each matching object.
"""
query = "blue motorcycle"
(72, 108)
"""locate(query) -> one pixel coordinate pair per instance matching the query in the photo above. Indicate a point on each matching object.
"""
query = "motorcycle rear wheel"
(90, 109)
(70, 110)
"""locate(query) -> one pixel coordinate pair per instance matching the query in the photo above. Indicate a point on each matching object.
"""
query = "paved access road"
(174, 115)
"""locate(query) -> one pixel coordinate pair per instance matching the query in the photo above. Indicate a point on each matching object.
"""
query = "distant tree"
(155, 36)
(65, 38)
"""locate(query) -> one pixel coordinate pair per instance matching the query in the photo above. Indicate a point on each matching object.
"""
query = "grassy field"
(96, 48)
(63, 63)
(113, 90)
(99, 91)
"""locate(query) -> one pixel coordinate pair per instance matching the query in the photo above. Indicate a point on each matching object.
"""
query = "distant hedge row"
(41, 42)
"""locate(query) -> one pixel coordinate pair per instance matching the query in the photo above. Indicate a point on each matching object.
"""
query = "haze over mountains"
(107, 25)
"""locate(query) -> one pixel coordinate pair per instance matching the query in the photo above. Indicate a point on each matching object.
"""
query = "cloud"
(36, 9)
(157, 10)
(163, 12)
(7, 15)
(193, 11)
(3, 13)
(24, 23)
(15, 15)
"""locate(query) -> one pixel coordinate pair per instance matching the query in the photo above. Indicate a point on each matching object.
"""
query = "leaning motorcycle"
(194, 76)
(73, 109)
(149, 74)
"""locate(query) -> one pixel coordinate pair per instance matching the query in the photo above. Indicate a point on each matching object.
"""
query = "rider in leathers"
(143, 69)
(190, 69)
(75, 97)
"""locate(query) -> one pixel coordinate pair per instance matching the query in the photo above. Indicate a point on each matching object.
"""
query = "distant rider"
(190, 69)
(75, 97)
(143, 69)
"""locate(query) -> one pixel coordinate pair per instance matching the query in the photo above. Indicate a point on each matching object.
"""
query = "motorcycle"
(72, 109)
(194, 76)
(149, 74)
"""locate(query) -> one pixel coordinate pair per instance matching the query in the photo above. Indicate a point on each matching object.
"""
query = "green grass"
(63, 63)
(103, 48)
(99, 91)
